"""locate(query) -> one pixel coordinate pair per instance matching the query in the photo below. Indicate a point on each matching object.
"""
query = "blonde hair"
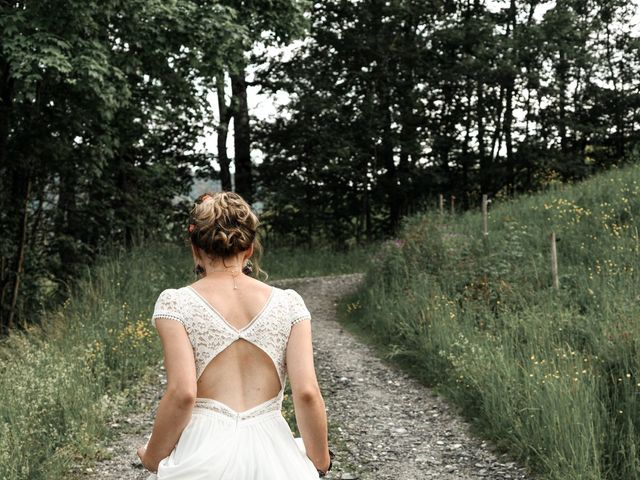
(222, 225)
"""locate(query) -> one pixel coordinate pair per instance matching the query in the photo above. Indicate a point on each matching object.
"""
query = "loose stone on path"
(383, 424)
(390, 426)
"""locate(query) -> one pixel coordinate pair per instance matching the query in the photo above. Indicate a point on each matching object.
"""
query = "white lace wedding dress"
(220, 443)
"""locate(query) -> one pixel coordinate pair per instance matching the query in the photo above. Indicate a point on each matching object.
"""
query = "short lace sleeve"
(167, 306)
(298, 310)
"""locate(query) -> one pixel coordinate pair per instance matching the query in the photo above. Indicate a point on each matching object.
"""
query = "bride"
(230, 342)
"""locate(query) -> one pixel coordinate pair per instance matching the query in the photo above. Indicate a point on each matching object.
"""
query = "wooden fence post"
(554, 261)
(453, 204)
(441, 204)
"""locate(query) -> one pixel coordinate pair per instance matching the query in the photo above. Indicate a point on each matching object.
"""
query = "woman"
(230, 341)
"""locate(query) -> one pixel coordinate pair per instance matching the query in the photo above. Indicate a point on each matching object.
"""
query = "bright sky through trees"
(263, 107)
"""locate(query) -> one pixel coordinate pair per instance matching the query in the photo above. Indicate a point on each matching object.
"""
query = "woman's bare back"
(242, 375)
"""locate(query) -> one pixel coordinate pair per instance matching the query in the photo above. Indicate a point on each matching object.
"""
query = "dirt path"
(384, 425)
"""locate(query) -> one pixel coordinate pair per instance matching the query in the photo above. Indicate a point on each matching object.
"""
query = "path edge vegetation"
(549, 375)
(63, 381)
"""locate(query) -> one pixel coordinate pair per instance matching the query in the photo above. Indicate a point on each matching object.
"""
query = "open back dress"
(220, 443)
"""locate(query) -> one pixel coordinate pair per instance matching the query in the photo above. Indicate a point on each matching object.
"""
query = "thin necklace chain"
(234, 273)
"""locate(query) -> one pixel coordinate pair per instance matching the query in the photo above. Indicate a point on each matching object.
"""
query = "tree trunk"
(508, 123)
(563, 67)
(66, 221)
(37, 219)
(21, 252)
(242, 135)
(125, 182)
(407, 104)
(368, 227)
(497, 133)
(618, 104)
(8, 181)
(223, 131)
(446, 132)
(6, 100)
(484, 160)
(466, 157)
(388, 161)
(508, 116)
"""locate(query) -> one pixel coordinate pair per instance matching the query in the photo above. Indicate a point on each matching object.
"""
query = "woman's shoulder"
(169, 304)
(292, 294)
(297, 307)
(288, 296)
(172, 294)
(259, 285)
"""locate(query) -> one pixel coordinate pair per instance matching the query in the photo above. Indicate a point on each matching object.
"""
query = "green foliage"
(550, 375)
(101, 104)
(60, 383)
(394, 102)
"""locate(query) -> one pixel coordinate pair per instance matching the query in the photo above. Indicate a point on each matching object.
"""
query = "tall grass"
(283, 262)
(550, 375)
(61, 382)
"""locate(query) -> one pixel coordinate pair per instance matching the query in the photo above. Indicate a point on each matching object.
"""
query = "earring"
(248, 268)
(198, 270)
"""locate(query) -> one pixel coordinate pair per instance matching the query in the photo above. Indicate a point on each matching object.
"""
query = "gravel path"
(383, 424)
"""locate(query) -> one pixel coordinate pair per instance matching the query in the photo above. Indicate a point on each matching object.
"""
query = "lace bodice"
(209, 333)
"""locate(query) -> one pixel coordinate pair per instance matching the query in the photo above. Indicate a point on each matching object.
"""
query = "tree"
(101, 106)
(271, 23)
(395, 102)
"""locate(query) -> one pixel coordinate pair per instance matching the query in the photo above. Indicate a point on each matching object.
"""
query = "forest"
(390, 103)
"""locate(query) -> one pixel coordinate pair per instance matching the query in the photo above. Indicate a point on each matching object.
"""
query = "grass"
(61, 382)
(550, 375)
(281, 262)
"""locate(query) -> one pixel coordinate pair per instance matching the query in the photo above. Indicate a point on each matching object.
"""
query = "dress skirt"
(219, 443)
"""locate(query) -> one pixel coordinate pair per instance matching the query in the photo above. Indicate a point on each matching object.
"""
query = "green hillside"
(550, 375)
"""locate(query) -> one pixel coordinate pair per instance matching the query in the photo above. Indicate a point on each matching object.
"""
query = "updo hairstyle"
(222, 224)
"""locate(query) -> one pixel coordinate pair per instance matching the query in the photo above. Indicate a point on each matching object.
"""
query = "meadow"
(62, 381)
(550, 375)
